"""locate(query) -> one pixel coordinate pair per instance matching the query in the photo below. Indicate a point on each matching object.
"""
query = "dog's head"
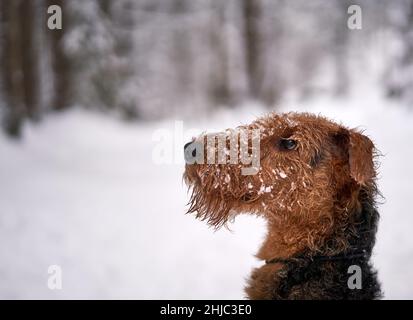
(308, 167)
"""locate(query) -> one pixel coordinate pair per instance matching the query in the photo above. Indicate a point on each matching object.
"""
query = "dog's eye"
(288, 144)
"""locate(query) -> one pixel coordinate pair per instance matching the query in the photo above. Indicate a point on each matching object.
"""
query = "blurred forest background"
(150, 59)
(96, 100)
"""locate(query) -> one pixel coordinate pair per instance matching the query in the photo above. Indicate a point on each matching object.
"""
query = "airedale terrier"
(316, 188)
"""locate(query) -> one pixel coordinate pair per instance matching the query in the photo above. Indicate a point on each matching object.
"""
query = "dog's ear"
(361, 158)
(358, 151)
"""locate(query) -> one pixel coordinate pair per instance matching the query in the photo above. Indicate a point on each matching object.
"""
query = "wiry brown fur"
(314, 198)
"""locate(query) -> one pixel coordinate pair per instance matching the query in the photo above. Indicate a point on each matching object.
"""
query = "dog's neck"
(357, 237)
(295, 268)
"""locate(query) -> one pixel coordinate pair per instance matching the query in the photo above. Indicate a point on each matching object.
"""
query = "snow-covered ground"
(85, 192)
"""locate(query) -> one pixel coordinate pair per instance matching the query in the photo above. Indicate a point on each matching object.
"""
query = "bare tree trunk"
(119, 19)
(181, 50)
(12, 68)
(105, 6)
(219, 86)
(398, 79)
(252, 12)
(61, 64)
(273, 36)
(29, 55)
(340, 50)
(408, 57)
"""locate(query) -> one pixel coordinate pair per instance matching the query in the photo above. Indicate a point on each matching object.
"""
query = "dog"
(316, 188)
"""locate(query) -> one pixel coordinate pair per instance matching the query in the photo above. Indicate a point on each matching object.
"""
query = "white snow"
(282, 174)
(83, 192)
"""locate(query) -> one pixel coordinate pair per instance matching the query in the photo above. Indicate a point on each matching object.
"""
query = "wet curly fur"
(318, 199)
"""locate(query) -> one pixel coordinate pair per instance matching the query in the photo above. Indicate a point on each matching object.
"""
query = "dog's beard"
(210, 207)
(216, 194)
